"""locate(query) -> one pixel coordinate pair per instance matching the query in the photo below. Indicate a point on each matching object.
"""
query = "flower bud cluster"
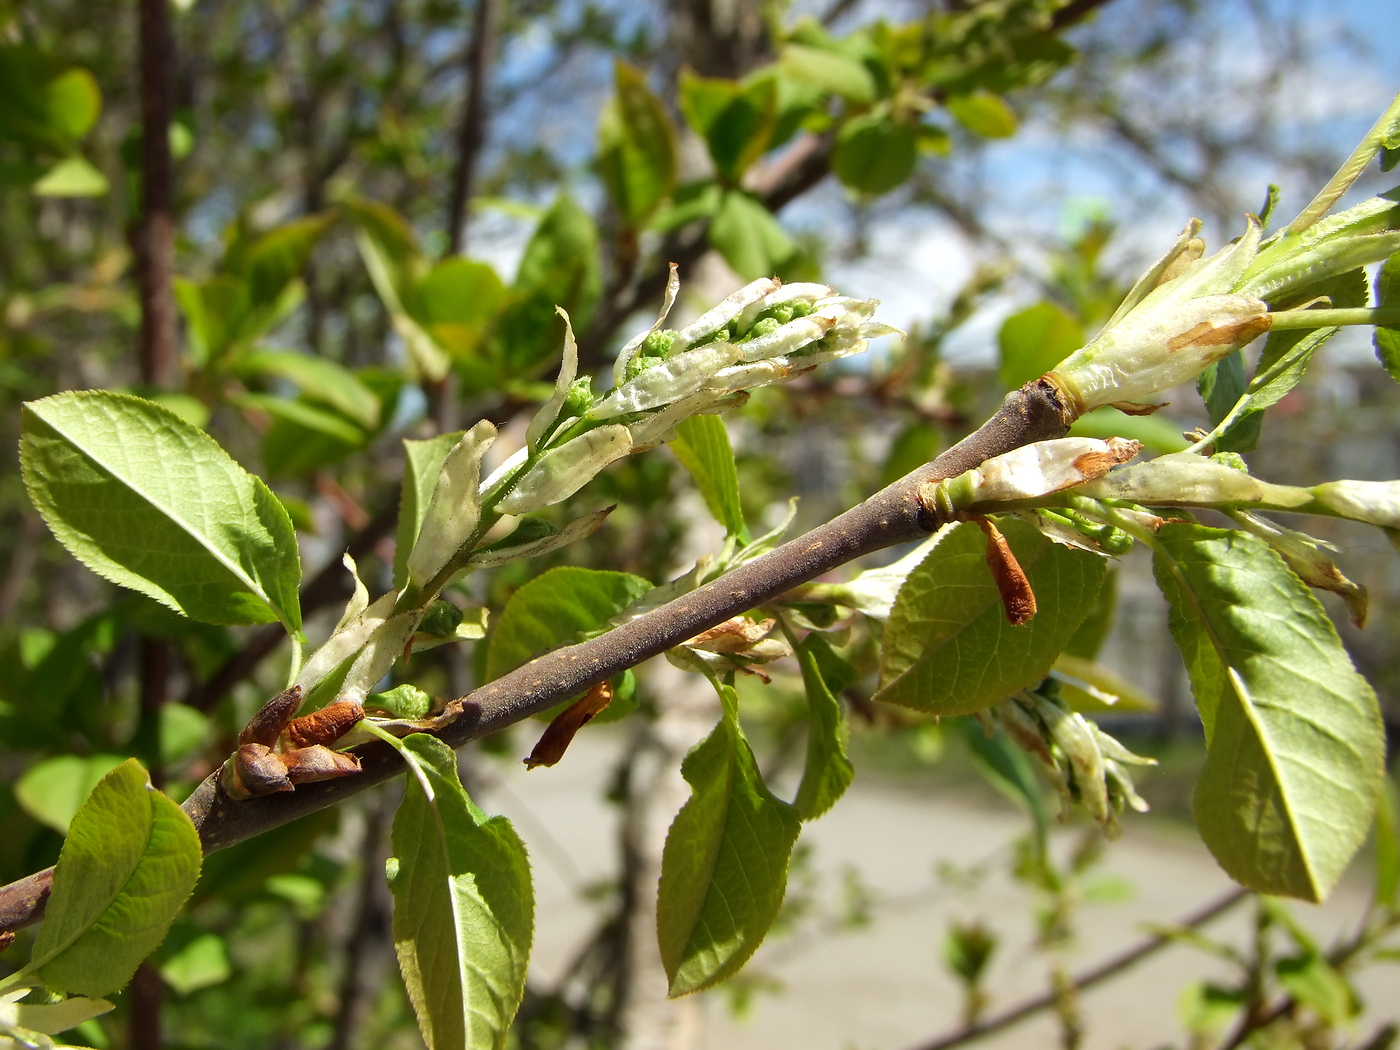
(1168, 333)
(1084, 763)
(764, 333)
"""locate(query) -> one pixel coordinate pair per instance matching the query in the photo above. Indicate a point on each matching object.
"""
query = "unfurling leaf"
(1294, 748)
(559, 734)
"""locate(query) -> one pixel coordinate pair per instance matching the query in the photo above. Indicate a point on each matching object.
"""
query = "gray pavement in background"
(883, 986)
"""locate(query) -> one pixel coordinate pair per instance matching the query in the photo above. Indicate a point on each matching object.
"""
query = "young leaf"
(422, 462)
(130, 860)
(724, 866)
(830, 71)
(454, 508)
(149, 502)
(827, 772)
(53, 790)
(320, 379)
(948, 648)
(1008, 769)
(560, 267)
(1295, 751)
(983, 113)
(1035, 340)
(874, 154)
(271, 262)
(736, 121)
(555, 608)
(702, 446)
(636, 147)
(47, 1018)
(750, 238)
(464, 909)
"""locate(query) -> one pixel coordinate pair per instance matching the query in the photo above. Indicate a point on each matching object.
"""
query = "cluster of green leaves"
(49, 109)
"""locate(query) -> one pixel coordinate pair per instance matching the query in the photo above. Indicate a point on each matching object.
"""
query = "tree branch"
(472, 131)
(155, 231)
(892, 516)
(798, 169)
(1095, 975)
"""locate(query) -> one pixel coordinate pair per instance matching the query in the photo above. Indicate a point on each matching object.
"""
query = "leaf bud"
(308, 765)
(325, 726)
(253, 771)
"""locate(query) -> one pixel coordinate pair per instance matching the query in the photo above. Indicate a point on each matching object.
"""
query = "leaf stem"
(1350, 170)
(1285, 320)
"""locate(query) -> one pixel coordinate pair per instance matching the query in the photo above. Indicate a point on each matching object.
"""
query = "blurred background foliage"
(376, 207)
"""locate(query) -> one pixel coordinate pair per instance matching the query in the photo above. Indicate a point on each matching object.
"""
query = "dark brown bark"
(471, 133)
(155, 228)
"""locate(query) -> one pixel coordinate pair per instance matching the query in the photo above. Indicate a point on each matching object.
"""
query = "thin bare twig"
(1095, 975)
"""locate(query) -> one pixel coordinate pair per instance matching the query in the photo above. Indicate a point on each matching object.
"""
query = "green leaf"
(275, 259)
(202, 963)
(422, 462)
(694, 200)
(320, 379)
(74, 102)
(874, 154)
(948, 648)
(214, 312)
(827, 772)
(130, 860)
(1388, 296)
(305, 415)
(1007, 768)
(1156, 431)
(457, 303)
(724, 866)
(1089, 638)
(702, 446)
(53, 1018)
(830, 71)
(1282, 364)
(149, 502)
(464, 909)
(556, 607)
(983, 113)
(560, 267)
(736, 121)
(73, 176)
(1295, 751)
(390, 251)
(53, 790)
(1316, 984)
(636, 147)
(1034, 341)
(1387, 833)
(750, 239)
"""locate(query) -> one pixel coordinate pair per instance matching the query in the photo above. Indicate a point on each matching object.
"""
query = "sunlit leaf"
(149, 502)
(1295, 751)
(130, 860)
(463, 906)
